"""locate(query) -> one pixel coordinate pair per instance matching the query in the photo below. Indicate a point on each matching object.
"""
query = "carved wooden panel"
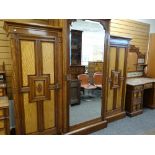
(115, 78)
(39, 88)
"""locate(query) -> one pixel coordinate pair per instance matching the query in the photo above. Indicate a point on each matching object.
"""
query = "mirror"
(86, 68)
(136, 62)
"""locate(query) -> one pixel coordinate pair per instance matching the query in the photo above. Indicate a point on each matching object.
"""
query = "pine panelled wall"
(5, 56)
(5, 50)
(139, 32)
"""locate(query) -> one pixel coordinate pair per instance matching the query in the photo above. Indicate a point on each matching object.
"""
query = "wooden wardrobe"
(116, 77)
(37, 77)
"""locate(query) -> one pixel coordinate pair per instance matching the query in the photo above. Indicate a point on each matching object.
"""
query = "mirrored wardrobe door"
(86, 69)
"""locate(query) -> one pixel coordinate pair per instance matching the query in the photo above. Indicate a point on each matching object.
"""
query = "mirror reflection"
(86, 67)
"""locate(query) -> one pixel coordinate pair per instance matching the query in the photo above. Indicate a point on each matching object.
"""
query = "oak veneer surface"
(112, 62)
(151, 57)
(117, 77)
(37, 55)
(120, 67)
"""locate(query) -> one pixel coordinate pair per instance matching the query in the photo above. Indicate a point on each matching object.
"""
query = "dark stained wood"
(75, 92)
(76, 47)
(139, 96)
(40, 115)
(149, 97)
(76, 70)
(134, 100)
(87, 127)
(90, 128)
(116, 116)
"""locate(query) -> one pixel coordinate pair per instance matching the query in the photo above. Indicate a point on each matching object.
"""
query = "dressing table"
(140, 90)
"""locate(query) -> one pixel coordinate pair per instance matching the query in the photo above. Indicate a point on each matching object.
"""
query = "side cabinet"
(37, 81)
(134, 100)
(116, 78)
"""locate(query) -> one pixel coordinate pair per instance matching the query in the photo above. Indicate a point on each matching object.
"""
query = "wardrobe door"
(37, 77)
(117, 77)
(38, 85)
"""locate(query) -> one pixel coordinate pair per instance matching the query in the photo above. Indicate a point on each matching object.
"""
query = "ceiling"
(87, 25)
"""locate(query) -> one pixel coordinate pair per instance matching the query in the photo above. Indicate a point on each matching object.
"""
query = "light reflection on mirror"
(87, 51)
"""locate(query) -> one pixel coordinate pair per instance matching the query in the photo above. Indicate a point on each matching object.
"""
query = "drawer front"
(148, 85)
(2, 132)
(137, 101)
(1, 124)
(1, 113)
(136, 107)
(138, 87)
(137, 94)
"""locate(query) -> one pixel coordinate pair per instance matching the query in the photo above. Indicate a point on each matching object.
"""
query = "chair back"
(97, 78)
(84, 78)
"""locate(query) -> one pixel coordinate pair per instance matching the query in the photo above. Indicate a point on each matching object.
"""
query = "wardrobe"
(41, 79)
(116, 77)
(37, 81)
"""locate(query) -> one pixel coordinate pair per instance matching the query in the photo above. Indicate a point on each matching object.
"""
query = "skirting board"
(116, 117)
(89, 129)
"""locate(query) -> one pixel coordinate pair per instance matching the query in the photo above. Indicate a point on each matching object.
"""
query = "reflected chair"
(85, 84)
(97, 78)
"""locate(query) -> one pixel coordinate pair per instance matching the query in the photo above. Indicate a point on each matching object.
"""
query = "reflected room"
(86, 69)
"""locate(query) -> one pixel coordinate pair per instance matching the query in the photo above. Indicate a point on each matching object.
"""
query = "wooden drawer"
(138, 87)
(1, 124)
(148, 86)
(137, 94)
(137, 101)
(1, 113)
(2, 132)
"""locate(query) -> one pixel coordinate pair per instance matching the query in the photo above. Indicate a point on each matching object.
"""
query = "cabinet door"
(38, 65)
(116, 79)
